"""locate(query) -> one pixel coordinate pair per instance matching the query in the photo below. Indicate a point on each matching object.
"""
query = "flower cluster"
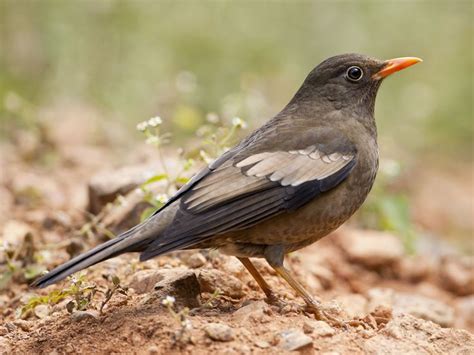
(151, 123)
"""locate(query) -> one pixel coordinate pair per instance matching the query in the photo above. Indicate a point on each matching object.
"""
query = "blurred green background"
(130, 60)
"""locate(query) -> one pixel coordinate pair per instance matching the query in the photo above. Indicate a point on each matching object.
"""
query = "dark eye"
(354, 73)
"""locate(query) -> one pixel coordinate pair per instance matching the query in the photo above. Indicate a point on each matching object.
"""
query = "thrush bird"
(288, 184)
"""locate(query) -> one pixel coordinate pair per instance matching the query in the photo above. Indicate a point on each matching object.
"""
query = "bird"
(285, 186)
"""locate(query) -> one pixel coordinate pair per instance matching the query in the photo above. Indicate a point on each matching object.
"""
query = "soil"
(390, 302)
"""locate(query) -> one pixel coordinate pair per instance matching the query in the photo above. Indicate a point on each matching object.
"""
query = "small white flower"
(239, 123)
(168, 301)
(155, 121)
(142, 126)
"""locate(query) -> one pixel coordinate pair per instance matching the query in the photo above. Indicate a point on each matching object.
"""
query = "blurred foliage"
(388, 209)
(182, 59)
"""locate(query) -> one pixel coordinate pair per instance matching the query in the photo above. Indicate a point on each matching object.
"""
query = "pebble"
(219, 332)
(79, 316)
(318, 328)
(216, 280)
(196, 260)
(153, 350)
(42, 311)
(293, 339)
(371, 248)
(255, 311)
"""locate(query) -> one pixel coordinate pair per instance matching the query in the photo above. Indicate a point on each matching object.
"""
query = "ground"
(201, 301)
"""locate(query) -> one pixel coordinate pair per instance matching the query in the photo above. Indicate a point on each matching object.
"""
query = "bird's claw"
(321, 314)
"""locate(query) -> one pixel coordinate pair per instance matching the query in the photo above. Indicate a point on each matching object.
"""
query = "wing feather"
(242, 192)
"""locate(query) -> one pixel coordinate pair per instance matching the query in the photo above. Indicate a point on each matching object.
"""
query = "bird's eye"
(354, 73)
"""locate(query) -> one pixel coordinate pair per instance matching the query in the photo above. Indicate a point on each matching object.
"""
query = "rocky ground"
(201, 301)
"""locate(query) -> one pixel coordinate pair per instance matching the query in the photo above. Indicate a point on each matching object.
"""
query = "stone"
(318, 328)
(104, 187)
(371, 248)
(144, 281)
(293, 339)
(457, 275)
(216, 280)
(219, 332)
(262, 344)
(254, 312)
(42, 311)
(196, 260)
(153, 350)
(183, 286)
(79, 316)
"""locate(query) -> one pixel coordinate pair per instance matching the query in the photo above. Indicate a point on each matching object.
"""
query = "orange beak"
(394, 65)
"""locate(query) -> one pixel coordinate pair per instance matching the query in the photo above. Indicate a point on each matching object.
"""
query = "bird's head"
(350, 81)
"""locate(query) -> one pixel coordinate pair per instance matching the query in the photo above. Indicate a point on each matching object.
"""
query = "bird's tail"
(131, 241)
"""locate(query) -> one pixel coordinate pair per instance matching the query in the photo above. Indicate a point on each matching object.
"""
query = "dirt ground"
(390, 302)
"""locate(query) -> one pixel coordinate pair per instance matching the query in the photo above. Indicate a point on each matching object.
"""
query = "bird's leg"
(272, 298)
(274, 256)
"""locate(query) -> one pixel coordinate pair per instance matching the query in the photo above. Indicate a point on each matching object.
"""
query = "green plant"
(214, 139)
(387, 209)
(116, 287)
(79, 290)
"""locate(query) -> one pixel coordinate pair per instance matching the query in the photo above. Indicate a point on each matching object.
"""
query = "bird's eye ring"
(354, 73)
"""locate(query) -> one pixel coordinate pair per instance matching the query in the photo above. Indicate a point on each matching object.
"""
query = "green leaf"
(155, 178)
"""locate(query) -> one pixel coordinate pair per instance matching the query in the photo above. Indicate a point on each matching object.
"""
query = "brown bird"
(288, 184)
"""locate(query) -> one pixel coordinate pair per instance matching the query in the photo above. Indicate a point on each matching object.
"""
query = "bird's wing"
(245, 189)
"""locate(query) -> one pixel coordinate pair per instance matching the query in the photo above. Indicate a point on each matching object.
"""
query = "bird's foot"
(322, 314)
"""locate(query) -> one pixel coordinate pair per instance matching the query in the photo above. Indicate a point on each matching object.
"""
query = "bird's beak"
(393, 65)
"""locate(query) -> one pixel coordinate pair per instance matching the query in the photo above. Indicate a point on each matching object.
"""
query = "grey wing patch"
(224, 184)
(261, 171)
(294, 167)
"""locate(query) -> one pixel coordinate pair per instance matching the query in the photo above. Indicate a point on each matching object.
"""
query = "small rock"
(318, 328)
(371, 248)
(10, 327)
(196, 260)
(457, 275)
(293, 339)
(42, 311)
(216, 280)
(144, 281)
(184, 286)
(3, 331)
(255, 311)
(105, 186)
(414, 268)
(262, 344)
(219, 332)
(23, 325)
(79, 316)
(153, 350)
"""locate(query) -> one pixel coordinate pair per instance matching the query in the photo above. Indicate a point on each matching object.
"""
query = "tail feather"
(130, 241)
